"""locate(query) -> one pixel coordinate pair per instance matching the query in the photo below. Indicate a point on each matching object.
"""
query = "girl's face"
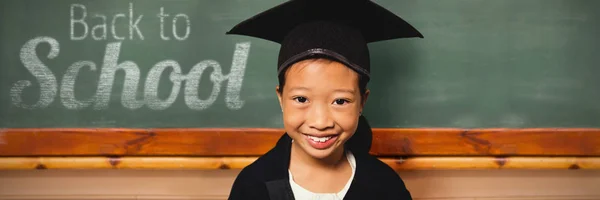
(321, 104)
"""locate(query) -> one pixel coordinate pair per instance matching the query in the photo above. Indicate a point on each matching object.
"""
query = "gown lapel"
(279, 189)
(277, 183)
(361, 184)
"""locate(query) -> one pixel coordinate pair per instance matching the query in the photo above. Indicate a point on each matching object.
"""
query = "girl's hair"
(361, 141)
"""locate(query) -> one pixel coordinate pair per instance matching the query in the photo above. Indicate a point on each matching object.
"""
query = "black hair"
(361, 141)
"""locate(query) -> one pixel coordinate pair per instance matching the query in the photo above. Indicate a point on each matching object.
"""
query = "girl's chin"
(319, 154)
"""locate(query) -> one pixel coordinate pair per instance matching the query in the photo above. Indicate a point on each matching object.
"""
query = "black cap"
(335, 29)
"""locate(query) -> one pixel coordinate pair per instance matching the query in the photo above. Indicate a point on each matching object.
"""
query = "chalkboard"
(162, 63)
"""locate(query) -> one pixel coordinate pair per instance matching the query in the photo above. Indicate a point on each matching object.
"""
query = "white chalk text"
(51, 87)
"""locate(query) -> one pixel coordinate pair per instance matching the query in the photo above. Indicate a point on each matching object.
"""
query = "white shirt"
(303, 194)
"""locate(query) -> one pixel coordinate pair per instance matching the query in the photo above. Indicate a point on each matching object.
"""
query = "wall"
(215, 184)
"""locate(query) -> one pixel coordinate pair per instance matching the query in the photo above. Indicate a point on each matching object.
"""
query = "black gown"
(267, 178)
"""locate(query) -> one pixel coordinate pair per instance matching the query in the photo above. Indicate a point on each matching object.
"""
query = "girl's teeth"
(319, 139)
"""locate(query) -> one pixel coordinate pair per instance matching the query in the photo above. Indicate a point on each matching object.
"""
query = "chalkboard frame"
(235, 148)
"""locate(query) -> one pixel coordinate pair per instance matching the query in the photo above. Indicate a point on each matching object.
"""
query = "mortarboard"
(335, 29)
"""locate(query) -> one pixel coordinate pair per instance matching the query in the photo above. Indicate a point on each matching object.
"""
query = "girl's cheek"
(293, 116)
(348, 120)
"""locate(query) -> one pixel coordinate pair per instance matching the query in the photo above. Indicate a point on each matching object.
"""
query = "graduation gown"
(267, 178)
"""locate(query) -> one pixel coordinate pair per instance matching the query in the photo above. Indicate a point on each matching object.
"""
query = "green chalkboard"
(164, 63)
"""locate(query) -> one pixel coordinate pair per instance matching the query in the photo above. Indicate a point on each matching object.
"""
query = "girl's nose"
(320, 118)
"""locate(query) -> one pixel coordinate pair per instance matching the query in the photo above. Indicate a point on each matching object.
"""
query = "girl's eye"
(341, 101)
(300, 99)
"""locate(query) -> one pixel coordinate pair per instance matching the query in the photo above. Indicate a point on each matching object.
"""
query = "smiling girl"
(323, 71)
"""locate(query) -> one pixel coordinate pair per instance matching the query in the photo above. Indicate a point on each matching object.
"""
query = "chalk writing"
(107, 77)
(42, 74)
(152, 82)
(236, 76)
(49, 87)
(80, 20)
(67, 90)
(162, 15)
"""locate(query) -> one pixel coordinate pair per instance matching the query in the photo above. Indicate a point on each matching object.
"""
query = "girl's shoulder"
(381, 179)
(378, 168)
(263, 168)
(268, 170)
(250, 183)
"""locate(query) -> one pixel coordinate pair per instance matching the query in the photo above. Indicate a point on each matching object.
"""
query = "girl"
(323, 71)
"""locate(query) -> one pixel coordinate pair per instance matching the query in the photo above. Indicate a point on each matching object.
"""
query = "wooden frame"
(217, 148)
(213, 163)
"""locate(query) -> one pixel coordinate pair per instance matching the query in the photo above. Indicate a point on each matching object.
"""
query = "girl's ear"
(279, 97)
(363, 100)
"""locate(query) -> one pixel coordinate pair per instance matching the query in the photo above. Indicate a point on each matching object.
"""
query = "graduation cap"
(335, 29)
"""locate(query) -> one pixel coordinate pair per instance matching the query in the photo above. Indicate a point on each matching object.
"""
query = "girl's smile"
(321, 142)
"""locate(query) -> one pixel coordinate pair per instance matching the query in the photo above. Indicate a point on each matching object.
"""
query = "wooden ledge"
(224, 142)
(235, 148)
(213, 163)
